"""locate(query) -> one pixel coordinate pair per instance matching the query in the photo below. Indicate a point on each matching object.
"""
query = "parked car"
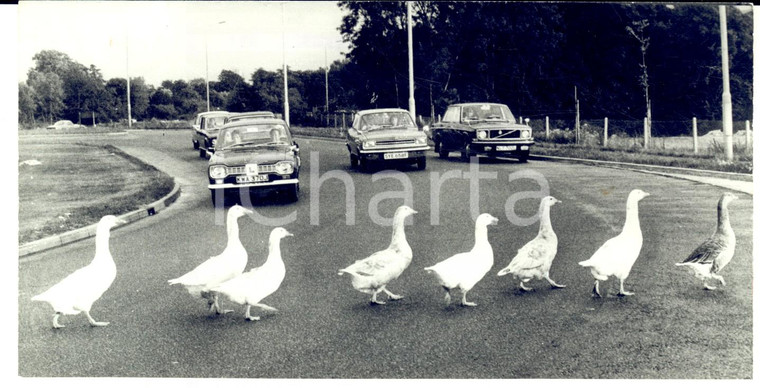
(205, 129)
(254, 154)
(481, 129)
(381, 135)
(249, 115)
(64, 124)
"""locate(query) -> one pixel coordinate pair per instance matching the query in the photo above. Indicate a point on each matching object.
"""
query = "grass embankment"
(77, 184)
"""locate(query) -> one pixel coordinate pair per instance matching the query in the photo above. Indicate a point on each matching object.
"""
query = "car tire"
(465, 156)
(292, 193)
(354, 161)
(421, 163)
(202, 153)
(523, 158)
(196, 145)
(443, 154)
(363, 164)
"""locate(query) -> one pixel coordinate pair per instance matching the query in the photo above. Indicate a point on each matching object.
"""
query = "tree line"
(535, 57)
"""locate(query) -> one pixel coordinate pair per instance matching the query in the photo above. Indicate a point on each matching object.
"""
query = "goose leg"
(708, 287)
(465, 302)
(265, 307)
(218, 306)
(447, 298)
(523, 287)
(57, 325)
(623, 292)
(374, 300)
(720, 279)
(248, 314)
(93, 322)
(552, 282)
(596, 289)
(391, 295)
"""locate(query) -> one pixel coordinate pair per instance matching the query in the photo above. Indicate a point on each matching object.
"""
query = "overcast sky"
(167, 39)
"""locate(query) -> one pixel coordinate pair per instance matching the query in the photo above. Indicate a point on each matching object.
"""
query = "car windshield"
(214, 122)
(254, 135)
(386, 120)
(486, 112)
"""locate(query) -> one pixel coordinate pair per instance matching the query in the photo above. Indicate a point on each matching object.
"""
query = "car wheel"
(354, 161)
(202, 153)
(196, 145)
(465, 156)
(421, 163)
(363, 164)
(292, 192)
(523, 158)
(443, 154)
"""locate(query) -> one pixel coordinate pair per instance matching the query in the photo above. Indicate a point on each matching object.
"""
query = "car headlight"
(217, 172)
(525, 133)
(482, 134)
(283, 168)
(369, 144)
(420, 140)
(213, 142)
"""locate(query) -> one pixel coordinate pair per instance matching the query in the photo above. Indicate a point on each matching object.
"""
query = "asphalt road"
(671, 328)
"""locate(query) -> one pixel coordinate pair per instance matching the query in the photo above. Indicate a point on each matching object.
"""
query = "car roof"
(476, 103)
(259, 112)
(381, 110)
(258, 121)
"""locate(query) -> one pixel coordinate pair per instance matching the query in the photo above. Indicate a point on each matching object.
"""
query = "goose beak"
(495, 221)
(288, 234)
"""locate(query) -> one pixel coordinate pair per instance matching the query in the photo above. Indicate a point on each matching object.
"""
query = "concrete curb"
(89, 231)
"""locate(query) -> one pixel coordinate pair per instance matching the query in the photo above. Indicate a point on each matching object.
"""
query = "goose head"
(108, 222)
(279, 233)
(238, 211)
(550, 201)
(404, 211)
(726, 198)
(486, 219)
(637, 195)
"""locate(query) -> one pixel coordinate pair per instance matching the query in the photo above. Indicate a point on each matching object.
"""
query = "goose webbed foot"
(465, 303)
(524, 288)
(57, 325)
(374, 300)
(596, 289)
(622, 291)
(248, 316)
(709, 287)
(447, 298)
(553, 283)
(393, 296)
(93, 322)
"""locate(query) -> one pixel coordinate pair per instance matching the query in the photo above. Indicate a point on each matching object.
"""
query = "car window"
(452, 114)
(386, 120)
(253, 135)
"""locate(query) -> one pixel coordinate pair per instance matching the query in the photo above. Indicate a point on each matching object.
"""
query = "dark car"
(256, 155)
(205, 129)
(383, 135)
(481, 129)
(249, 115)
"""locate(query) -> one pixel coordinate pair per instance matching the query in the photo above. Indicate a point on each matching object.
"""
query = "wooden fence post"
(695, 134)
(748, 135)
(604, 142)
(547, 127)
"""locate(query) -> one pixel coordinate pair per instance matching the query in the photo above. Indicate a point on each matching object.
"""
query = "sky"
(167, 40)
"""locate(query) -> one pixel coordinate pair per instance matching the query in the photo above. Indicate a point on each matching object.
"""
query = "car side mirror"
(294, 147)
(425, 128)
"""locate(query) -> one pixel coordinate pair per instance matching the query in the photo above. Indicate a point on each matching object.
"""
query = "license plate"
(506, 148)
(252, 178)
(396, 155)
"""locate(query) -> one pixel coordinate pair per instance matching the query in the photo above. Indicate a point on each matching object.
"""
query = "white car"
(64, 124)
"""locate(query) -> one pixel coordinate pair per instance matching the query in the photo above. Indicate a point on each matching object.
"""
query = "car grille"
(504, 134)
(240, 170)
(395, 142)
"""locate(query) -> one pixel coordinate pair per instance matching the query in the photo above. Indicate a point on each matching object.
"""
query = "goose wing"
(215, 270)
(379, 263)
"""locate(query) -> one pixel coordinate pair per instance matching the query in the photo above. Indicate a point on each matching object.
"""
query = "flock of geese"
(224, 274)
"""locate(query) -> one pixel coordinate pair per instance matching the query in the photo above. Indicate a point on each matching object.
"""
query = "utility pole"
(286, 106)
(728, 123)
(412, 109)
(577, 116)
(327, 91)
(129, 96)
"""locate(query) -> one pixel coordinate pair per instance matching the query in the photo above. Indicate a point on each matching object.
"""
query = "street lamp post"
(286, 107)
(327, 91)
(129, 96)
(728, 123)
(411, 59)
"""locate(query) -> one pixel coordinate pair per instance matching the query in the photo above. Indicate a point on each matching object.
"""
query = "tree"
(25, 104)
(48, 94)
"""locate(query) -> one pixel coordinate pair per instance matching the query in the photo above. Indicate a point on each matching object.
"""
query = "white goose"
(212, 272)
(714, 253)
(251, 287)
(535, 258)
(372, 274)
(77, 292)
(464, 270)
(616, 256)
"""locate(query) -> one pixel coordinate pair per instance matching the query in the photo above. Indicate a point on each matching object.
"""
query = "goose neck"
(723, 222)
(632, 217)
(233, 231)
(481, 234)
(102, 237)
(545, 227)
(275, 254)
(399, 236)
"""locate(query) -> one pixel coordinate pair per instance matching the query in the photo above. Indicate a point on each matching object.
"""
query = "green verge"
(77, 184)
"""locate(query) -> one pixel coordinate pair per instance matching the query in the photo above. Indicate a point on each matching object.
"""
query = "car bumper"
(381, 151)
(280, 182)
(500, 148)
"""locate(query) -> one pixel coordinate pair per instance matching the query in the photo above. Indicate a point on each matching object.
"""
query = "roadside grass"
(77, 184)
